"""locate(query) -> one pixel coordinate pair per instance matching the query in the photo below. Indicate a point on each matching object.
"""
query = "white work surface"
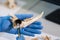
(47, 25)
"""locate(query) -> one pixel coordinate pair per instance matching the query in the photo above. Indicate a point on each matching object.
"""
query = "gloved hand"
(6, 25)
(20, 38)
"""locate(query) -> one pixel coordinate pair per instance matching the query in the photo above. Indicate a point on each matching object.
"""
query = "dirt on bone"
(18, 21)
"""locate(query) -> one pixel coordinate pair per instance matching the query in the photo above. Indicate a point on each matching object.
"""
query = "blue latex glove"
(6, 25)
(20, 38)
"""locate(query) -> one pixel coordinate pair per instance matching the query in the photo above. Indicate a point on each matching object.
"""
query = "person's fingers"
(34, 31)
(33, 26)
(20, 38)
(37, 23)
(13, 31)
(26, 33)
(24, 16)
(22, 31)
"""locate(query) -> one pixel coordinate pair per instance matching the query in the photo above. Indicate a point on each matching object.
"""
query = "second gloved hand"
(6, 25)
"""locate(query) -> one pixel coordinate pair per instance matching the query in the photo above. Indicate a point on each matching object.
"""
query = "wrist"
(0, 24)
